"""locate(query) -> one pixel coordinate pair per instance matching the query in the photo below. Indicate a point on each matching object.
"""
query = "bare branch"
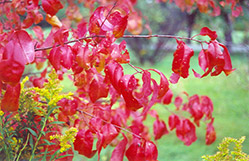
(124, 36)
(121, 128)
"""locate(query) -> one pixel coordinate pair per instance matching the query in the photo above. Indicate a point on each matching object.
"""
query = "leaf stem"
(40, 135)
(26, 143)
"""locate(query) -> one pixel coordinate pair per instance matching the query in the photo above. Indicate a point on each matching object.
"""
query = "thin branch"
(124, 36)
(121, 128)
(134, 67)
(108, 14)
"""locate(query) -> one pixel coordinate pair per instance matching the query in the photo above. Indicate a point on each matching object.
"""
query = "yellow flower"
(66, 139)
(1, 113)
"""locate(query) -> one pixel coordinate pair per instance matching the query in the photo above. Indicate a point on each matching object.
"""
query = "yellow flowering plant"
(24, 134)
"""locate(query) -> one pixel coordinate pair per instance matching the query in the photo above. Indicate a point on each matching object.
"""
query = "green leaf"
(53, 156)
(43, 133)
(47, 142)
(52, 109)
(8, 116)
(31, 131)
(62, 156)
(44, 155)
(56, 122)
(31, 142)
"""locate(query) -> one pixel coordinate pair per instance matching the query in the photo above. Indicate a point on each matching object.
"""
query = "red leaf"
(164, 84)
(51, 6)
(194, 108)
(142, 151)
(119, 22)
(205, 31)
(207, 106)
(185, 131)
(160, 129)
(213, 57)
(109, 133)
(202, 5)
(203, 60)
(98, 89)
(135, 23)
(55, 58)
(83, 55)
(136, 151)
(38, 82)
(174, 78)
(10, 101)
(181, 59)
(61, 35)
(228, 63)
(178, 102)
(66, 56)
(153, 98)
(84, 142)
(38, 33)
(118, 152)
(173, 121)
(168, 97)
(68, 107)
(151, 152)
(26, 47)
(100, 22)
(82, 28)
(210, 134)
(120, 54)
(216, 9)
(61, 56)
(114, 72)
(128, 84)
(237, 11)
(63, 117)
(146, 90)
(11, 64)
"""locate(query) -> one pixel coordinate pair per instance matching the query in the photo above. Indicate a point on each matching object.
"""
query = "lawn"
(231, 110)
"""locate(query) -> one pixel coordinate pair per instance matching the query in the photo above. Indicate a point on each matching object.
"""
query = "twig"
(135, 67)
(108, 14)
(121, 128)
(124, 36)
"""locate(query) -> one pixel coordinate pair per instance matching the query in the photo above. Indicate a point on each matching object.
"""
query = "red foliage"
(10, 101)
(181, 61)
(84, 143)
(51, 6)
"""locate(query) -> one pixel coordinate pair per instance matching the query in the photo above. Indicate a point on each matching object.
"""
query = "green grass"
(231, 110)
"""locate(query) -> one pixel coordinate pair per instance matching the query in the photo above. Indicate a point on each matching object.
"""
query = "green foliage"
(38, 109)
(225, 152)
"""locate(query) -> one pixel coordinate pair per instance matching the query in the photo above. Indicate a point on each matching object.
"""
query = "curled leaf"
(51, 6)
(84, 142)
(205, 31)
(118, 152)
(10, 101)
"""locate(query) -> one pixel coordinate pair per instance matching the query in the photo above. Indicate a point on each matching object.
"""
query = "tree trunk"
(228, 31)
(190, 23)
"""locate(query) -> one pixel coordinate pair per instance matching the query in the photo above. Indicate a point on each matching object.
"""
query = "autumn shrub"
(109, 107)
